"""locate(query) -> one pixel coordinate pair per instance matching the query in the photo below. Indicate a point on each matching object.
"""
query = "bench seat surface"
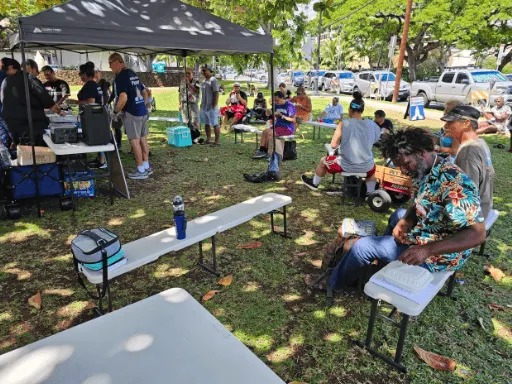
(148, 249)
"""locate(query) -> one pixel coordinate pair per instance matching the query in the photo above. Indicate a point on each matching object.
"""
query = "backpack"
(290, 150)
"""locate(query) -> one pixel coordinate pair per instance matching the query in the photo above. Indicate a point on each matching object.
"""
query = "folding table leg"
(109, 156)
(71, 186)
(285, 224)
(401, 338)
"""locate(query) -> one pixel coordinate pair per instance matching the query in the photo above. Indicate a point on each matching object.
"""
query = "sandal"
(320, 286)
(215, 144)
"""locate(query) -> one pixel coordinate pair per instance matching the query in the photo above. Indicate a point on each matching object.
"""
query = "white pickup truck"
(469, 86)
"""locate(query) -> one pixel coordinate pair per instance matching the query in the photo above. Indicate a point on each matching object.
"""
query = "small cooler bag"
(96, 249)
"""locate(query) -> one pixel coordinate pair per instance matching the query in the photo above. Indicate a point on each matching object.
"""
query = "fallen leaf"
(250, 245)
(499, 352)
(35, 300)
(494, 306)
(163, 140)
(226, 280)
(496, 273)
(436, 361)
(464, 373)
(209, 295)
(301, 254)
(481, 322)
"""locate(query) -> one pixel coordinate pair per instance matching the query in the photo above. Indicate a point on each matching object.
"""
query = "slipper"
(320, 286)
(215, 144)
(499, 146)
(206, 142)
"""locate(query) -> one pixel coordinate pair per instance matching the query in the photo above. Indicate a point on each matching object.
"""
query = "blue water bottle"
(180, 219)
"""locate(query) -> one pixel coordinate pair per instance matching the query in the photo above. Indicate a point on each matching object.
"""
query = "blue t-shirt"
(287, 109)
(2, 77)
(91, 90)
(128, 82)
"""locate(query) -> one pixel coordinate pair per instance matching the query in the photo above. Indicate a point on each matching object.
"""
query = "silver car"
(381, 84)
(343, 82)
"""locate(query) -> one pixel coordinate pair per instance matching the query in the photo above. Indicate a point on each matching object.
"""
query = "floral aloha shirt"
(446, 201)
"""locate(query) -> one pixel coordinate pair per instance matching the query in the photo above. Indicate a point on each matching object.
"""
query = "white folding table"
(166, 338)
(163, 118)
(319, 124)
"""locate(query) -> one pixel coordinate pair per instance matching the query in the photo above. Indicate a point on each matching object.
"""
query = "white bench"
(489, 222)
(244, 128)
(319, 124)
(405, 306)
(163, 118)
(148, 249)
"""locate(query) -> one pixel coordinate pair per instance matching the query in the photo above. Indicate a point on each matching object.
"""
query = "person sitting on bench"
(259, 107)
(332, 113)
(302, 104)
(353, 141)
(385, 125)
(236, 107)
(284, 124)
(438, 231)
(473, 155)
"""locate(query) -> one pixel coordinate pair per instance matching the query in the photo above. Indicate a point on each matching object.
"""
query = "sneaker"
(334, 192)
(149, 171)
(309, 183)
(138, 175)
(95, 164)
(103, 166)
(259, 155)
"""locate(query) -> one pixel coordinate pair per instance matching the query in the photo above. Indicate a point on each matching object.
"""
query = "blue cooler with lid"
(179, 136)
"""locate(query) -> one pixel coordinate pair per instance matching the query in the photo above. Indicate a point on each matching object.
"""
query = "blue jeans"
(366, 250)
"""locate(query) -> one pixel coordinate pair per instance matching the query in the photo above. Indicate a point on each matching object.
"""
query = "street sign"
(417, 109)
(392, 45)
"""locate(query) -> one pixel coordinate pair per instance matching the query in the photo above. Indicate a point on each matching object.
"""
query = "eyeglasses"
(111, 62)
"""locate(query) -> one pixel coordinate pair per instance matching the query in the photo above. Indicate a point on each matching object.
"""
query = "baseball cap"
(236, 85)
(335, 99)
(462, 112)
(207, 66)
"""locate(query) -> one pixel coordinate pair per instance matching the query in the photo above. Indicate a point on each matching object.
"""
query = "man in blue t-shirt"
(131, 98)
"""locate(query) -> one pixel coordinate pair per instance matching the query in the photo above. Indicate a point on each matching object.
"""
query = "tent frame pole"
(273, 104)
(30, 122)
(186, 86)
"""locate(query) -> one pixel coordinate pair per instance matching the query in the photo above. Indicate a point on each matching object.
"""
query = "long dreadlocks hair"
(406, 142)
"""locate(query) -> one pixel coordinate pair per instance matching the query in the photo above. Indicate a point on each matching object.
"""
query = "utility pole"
(402, 50)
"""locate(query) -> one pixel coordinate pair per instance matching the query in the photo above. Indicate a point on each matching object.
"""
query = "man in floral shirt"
(440, 228)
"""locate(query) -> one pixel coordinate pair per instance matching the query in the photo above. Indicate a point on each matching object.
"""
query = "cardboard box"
(43, 155)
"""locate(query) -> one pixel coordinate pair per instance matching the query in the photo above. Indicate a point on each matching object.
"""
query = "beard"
(421, 169)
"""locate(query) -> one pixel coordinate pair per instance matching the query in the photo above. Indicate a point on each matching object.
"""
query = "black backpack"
(290, 150)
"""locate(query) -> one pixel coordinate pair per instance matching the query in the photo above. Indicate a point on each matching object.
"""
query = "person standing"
(5, 136)
(473, 154)
(90, 93)
(33, 71)
(188, 99)
(209, 112)
(14, 105)
(104, 85)
(57, 88)
(131, 98)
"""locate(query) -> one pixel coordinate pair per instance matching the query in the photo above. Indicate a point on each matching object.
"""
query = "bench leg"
(236, 135)
(213, 267)
(285, 229)
(449, 289)
(257, 142)
(396, 362)
(242, 137)
(99, 309)
(314, 131)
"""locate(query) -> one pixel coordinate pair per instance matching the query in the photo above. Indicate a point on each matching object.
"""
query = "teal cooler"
(179, 136)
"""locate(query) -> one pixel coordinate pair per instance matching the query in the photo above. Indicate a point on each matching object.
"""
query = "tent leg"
(273, 107)
(30, 124)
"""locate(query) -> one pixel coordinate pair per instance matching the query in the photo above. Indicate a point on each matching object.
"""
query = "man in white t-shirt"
(332, 112)
(496, 118)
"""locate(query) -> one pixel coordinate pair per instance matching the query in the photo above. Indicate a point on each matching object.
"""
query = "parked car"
(509, 76)
(282, 78)
(463, 85)
(380, 83)
(325, 82)
(295, 78)
(310, 78)
(343, 82)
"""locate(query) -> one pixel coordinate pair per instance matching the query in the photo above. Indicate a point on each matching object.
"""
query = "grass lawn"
(267, 307)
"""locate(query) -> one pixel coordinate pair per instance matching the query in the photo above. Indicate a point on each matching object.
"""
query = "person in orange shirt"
(302, 104)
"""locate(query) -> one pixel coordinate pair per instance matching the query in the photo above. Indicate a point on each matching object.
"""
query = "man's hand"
(415, 255)
(400, 231)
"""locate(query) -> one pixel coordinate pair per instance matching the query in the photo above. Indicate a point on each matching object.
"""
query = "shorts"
(209, 116)
(328, 121)
(135, 126)
(333, 166)
(284, 131)
(194, 113)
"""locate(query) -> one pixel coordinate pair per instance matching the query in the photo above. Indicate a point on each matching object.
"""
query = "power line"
(350, 14)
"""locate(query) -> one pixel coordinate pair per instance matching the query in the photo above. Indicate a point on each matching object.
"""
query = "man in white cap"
(209, 110)
(236, 106)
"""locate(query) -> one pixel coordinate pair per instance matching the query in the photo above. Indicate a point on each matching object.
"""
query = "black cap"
(207, 66)
(462, 112)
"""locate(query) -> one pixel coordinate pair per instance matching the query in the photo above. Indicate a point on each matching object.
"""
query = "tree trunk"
(505, 60)
(412, 63)
(149, 62)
